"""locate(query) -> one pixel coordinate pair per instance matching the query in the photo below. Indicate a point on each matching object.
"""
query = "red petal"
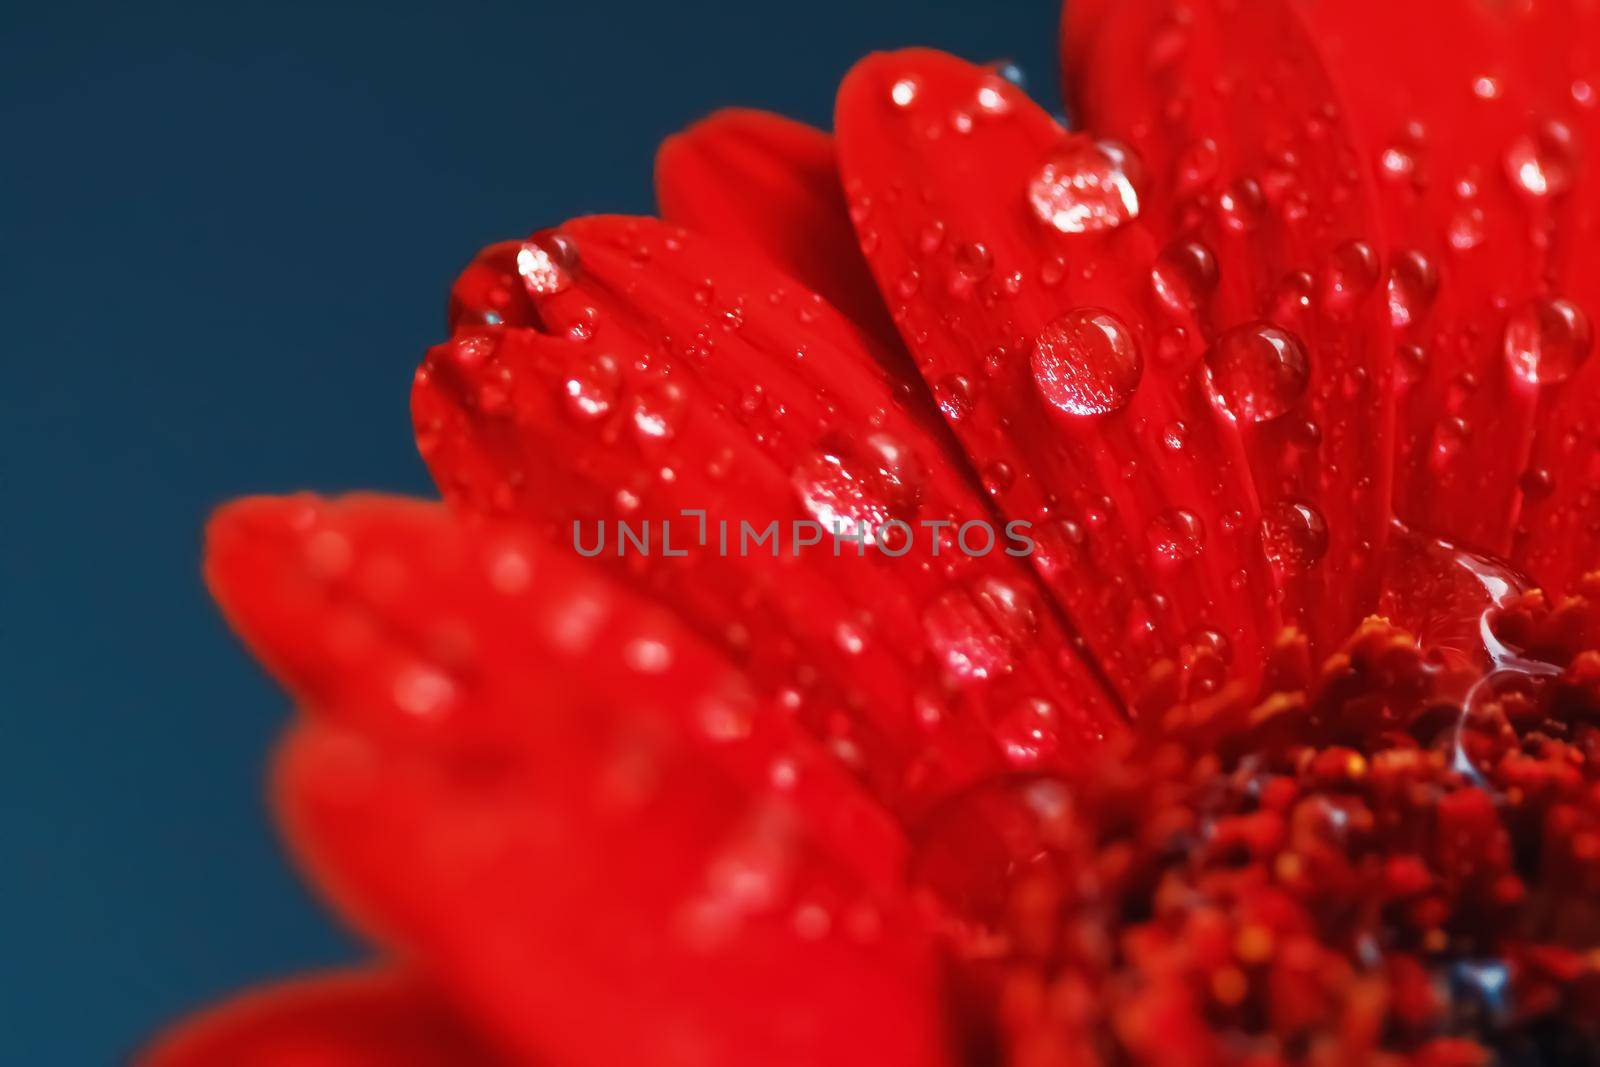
(1435, 133)
(361, 1019)
(672, 373)
(1241, 132)
(1144, 487)
(771, 185)
(575, 814)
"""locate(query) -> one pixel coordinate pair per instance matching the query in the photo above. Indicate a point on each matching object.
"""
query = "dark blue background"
(227, 233)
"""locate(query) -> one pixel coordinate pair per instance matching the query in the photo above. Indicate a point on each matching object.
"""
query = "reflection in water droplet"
(1085, 186)
(1258, 371)
(1547, 340)
(1087, 362)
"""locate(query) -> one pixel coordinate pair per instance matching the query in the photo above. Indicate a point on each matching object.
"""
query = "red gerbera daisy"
(1066, 601)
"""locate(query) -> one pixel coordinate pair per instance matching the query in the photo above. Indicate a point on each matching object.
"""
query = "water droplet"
(978, 631)
(1294, 536)
(1242, 205)
(548, 262)
(953, 393)
(856, 485)
(973, 261)
(1351, 274)
(903, 93)
(1258, 371)
(1175, 536)
(1413, 285)
(1085, 186)
(1547, 341)
(657, 409)
(1542, 163)
(1030, 732)
(591, 389)
(1184, 275)
(1087, 362)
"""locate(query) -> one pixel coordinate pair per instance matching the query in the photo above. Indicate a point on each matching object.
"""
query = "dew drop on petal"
(1085, 186)
(657, 410)
(1413, 285)
(547, 262)
(1351, 273)
(903, 93)
(1294, 536)
(1542, 163)
(1175, 536)
(1547, 341)
(851, 485)
(1183, 276)
(1258, 371)
(591, 389)
(1030, 732)
(977, 631)
(1087, 362)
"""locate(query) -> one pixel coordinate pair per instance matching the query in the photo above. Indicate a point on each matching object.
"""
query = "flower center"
(1391, 858)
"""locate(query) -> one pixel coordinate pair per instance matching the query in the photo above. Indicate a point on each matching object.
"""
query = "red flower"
(1295, 337)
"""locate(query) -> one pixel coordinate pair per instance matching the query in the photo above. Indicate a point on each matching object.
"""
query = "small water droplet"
(1242, 205)
(903, 93)
(1413, 285)
(1085, 186)
(1087, 362)
(1542, 163)
(979, 630)
(1294, 536)
(1175, 536)
(1258, 371)
(1351, 274)
(1184, 275)
(591, 390)
(1547, 341)
(1030, 732)
(657, 409)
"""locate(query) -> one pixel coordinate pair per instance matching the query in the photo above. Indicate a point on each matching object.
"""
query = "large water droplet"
(858, 486)
(1087, 362)
(548, 262)
(1542, 163)
(1258, 371)
(1547, 341)
(1294, 536)
(1085, 186)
